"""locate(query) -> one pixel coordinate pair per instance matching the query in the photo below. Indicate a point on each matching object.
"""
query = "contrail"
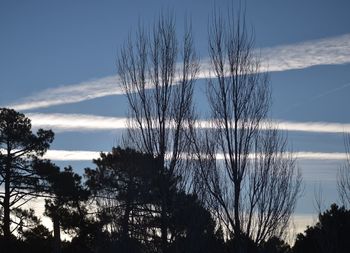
(82, 155)
(70, 94)
(60, 122)
(71, 155)
(318, 96)
(316, 127)
(328, 51)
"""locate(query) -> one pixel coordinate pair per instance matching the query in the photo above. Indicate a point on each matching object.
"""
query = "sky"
(58, 66)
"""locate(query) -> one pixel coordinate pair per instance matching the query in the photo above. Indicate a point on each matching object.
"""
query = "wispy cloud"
(335, 50)
(304, 155)
(317, 127)
(320, 156)
(71, 155)
(75, 122)
(328, 51)
(70, 94)
(81, 155)
(84, 122)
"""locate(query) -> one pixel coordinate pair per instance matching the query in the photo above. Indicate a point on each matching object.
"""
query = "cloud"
(334, 50)
(317, 127)
(60, 122)
(71, 155)
(304, 156)
(84, 122)
(70, 94)
(320, 156)
(81, 155)
(328, 51)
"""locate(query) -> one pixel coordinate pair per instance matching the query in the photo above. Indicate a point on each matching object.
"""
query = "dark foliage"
(330, 234)
(64, 196)
(38, 239)
(18, 147)
(275, 245)
(125, 205)
(128, 189)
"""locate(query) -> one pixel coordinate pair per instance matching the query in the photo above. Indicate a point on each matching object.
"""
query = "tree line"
(118, 205)
(176, 183)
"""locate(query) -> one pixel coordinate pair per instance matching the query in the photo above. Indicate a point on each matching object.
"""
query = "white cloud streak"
(80, 122)
(76, 122)
(320, 156)
(71, 155)
(328, 51)
(335, 50)
(83, 122)
(70, 94)
(80, 155)
(317, 127)
(303, 156)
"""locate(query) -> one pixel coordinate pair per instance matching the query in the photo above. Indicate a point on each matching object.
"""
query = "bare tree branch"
(255, 187)
(344, 175)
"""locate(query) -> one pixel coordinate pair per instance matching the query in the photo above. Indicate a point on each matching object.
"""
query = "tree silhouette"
(159, 92)
(65, 194)
(37, 240)
(123, 185)
(344, 175)
(275, 245)
(253, 190)
(193, 229)
(128, 188)
(330, 234)
(18, 147)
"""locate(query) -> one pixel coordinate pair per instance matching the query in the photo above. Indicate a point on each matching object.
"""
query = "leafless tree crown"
(344, 175)
(254, 187)
(158, 73)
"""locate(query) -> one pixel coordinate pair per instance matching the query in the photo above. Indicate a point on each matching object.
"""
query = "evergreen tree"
(330, 234)
(18, 146)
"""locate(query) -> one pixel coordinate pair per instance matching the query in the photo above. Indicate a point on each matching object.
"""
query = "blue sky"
(58, 66)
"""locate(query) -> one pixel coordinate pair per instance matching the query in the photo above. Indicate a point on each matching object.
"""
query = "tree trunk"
(56, 234)
(237, 225)
(6, 219)
(125, 222)
(240, 248)
(163, 192)
(164, 227)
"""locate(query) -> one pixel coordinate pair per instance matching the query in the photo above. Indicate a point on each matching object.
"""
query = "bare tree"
(158, 74)
(344, 175)
(251, 180)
